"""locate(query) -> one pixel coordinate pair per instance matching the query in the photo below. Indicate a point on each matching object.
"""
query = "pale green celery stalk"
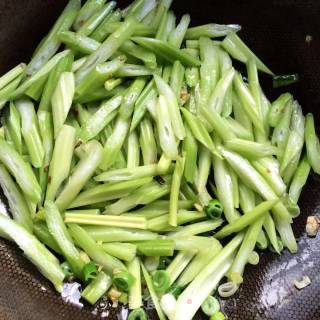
(90, 25)
(269, 169)
(82, 114)
(46, 131)
(61, 100)
(113, 234)
(2, 133)
(107, 220)
(223, 182)
(17, 203)
(198, 130)
(250, 149)
(8, 90)
(41, 231)
(102, 30)
(12, 75)
(167, 51)
(21, 171)
(59, 232)
(131, 96)
(84, 240)
(13, 125)
(249, 241)
(199, 262)
(220, 93)
(287, 236)
(176, 79)
(225, 63)
(98, 76)
(173, 107)
(175, 190)
(84, 211)
(178, 264)
(312, 144)
(110, 84)
(147, 142)
(165, 131)
(110, 27)
(161, 206)
(238, 130)
(247, 219)
(135, 292)
(209, 70)
(254, 85)
(194, 243)
(147, 57)
(162, 8)
(107, 191)
(38, 75)
(63, 65)
(240, 116)
(295, 139)
(100, 119)
(235, 188)
(107, 48)
(299, 179)
(86, 11)
(51, 43)
(204, 166)
(97, 288)
(211, 30)
(206, 281)
(265, 109)
(217, 123)
(192, 44)
(160, 223)
(133, 150)
(30, 132)
(149, 18)
(277, 108)
(141, 10)
(147, 94)
(143, 195)
(248, 103)
(114, 143)
(176, 37)
(291, 169)
(164, 24)
(270, 228)
(120, 250)
(34, 250)
(61, 160)
(152, 292)
(239, 51)
(192, 76)
(247, 198)
(195, 228)
(85, 169)
(281, 131)
(73, 122)
(35, 90)
(126, 174)
(78, 43)
(255, 181)
(76, 65)
(190, 148)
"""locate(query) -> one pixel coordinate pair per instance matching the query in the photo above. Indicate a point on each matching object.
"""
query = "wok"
(276, 31)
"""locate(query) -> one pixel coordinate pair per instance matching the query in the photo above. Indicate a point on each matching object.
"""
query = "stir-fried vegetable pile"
(136, 159)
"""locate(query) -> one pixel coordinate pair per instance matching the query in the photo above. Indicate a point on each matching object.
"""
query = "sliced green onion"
(284, 80)
(210, 306)
(214, 209)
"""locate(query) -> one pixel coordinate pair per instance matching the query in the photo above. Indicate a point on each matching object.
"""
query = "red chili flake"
(46, 168)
